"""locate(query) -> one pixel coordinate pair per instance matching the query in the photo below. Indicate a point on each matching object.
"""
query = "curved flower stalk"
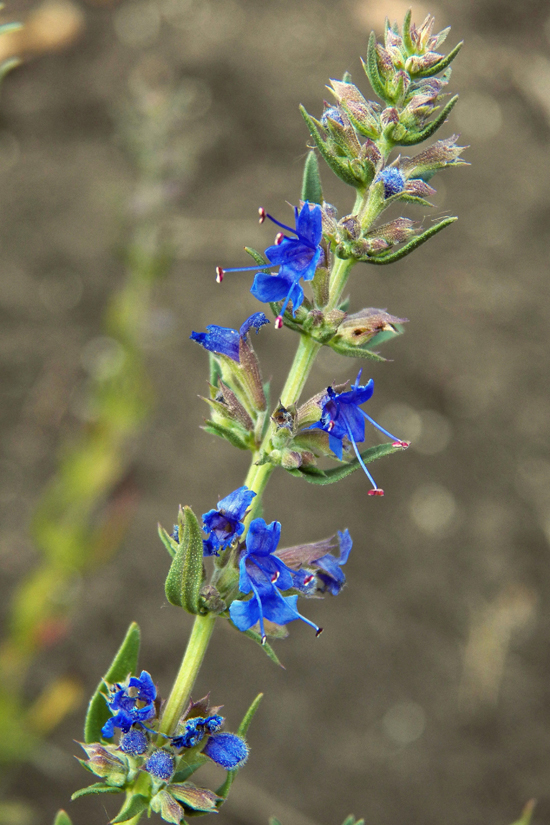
(228, 566)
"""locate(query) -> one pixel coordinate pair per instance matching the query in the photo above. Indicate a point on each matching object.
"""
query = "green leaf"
(274, 821)
(249, 715)
(338, 473)
(350, 820)
(338, 166)
(125, 662)
(266, 647)
(417, 137)
(186, 574)
(132, 807)
(311, 181)
(409, 48)
(354, 352)
(442, 64)
(98, 787)
(527, 813)
(167, 540)
(229, 435)
(62, 818)
(188, 770)
(260, 259)
(409, 247)
(371, 69)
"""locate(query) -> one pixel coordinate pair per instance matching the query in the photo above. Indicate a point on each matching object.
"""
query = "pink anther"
(262, 214)
(278, 322)
(376, 492)
(219, 274)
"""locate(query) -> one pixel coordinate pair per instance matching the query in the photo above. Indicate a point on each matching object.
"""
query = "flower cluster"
(265, 574)
(198, 738)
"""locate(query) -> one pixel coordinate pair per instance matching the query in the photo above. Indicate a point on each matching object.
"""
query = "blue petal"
(256, 321)
(335, 445)
(226, 749)
(309, 223)
(262, 539)
(346, 543)
(145, 685)
(221, 340)
(237, 503)
(268, 288)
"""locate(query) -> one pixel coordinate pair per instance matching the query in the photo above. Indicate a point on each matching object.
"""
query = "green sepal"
(409, 48)
(442, 64)
(125, 662)
(133, 806)
(413, 138)
(266, 647)
(371, 69)
(338, 473)
(62, 818)
(98, 787)
(230, 435)
(258, 257)
(170, 544)
(186, 574)
(411, 245)
(184, 773)
(311, 182)
(215, 369)
(224, 788)
(355, 352)
(406, 198)
(338, 166)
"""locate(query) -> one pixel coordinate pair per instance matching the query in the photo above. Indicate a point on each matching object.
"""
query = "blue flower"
(323, 570)
(264, 574)
(131, 704)
(195, 730)
(394, 180)
(297, 258)
(227, 749)
(161, 765)
(342, 417)
(226, 341)
(225, 523)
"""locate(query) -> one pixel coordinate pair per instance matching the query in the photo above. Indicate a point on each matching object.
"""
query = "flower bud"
(359, 328)
(103, 762)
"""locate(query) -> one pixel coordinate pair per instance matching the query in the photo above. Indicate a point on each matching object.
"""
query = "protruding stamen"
(219, 274)
(308, 579)
(330, 426)
(278, 322)
(279, 239)
(275, 576)
(397, 441)
(262, 214)
(402, 444)
(376, 492)
(264, 640)
(318, 632)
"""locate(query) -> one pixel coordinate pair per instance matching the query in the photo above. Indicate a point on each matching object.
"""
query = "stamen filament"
(378, 427)
(376, 489)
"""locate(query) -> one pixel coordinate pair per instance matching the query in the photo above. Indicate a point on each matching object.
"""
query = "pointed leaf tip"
(124, 662)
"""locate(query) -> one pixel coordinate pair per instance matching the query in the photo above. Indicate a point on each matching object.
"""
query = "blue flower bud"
(227, 750)
(160, 765)
(334, 114)
(393, 179)
(213, 723)
(134, 742)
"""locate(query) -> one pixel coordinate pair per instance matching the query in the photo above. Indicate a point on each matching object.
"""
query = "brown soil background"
(427, 698)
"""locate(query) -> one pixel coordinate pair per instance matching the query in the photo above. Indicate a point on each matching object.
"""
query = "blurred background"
(137, 140)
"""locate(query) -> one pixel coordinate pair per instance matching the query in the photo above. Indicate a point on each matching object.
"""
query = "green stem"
(189, 669)
(338, 281)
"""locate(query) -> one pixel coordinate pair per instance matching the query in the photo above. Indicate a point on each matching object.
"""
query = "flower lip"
(225, 523)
